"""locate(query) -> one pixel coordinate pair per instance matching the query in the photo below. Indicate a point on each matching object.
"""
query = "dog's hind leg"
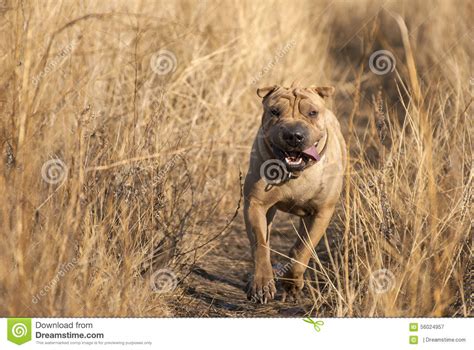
(312, 228)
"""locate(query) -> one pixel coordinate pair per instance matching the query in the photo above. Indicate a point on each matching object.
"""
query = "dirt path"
(216, 286)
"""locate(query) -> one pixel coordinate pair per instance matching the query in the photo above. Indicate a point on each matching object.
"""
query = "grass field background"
(125, 128)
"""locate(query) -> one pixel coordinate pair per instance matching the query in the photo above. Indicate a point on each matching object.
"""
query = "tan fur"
(312, 195)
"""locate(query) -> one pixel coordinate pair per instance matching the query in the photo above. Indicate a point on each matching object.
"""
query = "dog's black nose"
(294, 138)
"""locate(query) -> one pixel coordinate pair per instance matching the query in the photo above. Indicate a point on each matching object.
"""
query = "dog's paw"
(292, 288)
(261, 288)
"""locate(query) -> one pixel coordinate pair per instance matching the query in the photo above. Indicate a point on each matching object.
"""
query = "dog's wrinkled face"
(294, 122)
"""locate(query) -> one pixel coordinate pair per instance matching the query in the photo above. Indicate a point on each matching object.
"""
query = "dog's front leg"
(262, 286)
(311, 230)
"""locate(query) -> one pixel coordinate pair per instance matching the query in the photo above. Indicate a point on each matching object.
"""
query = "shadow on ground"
(216, 286)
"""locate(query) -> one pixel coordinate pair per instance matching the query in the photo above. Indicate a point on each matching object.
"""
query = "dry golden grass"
(153, 161)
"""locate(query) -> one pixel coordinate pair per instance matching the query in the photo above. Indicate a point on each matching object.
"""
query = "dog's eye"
(313, 113)
(275, 111)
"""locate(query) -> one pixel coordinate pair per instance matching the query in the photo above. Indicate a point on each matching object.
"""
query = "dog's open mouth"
(297, 160)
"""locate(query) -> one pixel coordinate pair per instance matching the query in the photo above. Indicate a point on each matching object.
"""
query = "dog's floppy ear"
(265, 91)
(324, 91)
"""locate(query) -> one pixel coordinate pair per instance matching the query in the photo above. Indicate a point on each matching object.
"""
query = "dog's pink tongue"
(312, 153)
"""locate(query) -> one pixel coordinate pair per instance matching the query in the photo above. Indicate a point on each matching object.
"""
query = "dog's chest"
(302, 195)
(311, 190)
